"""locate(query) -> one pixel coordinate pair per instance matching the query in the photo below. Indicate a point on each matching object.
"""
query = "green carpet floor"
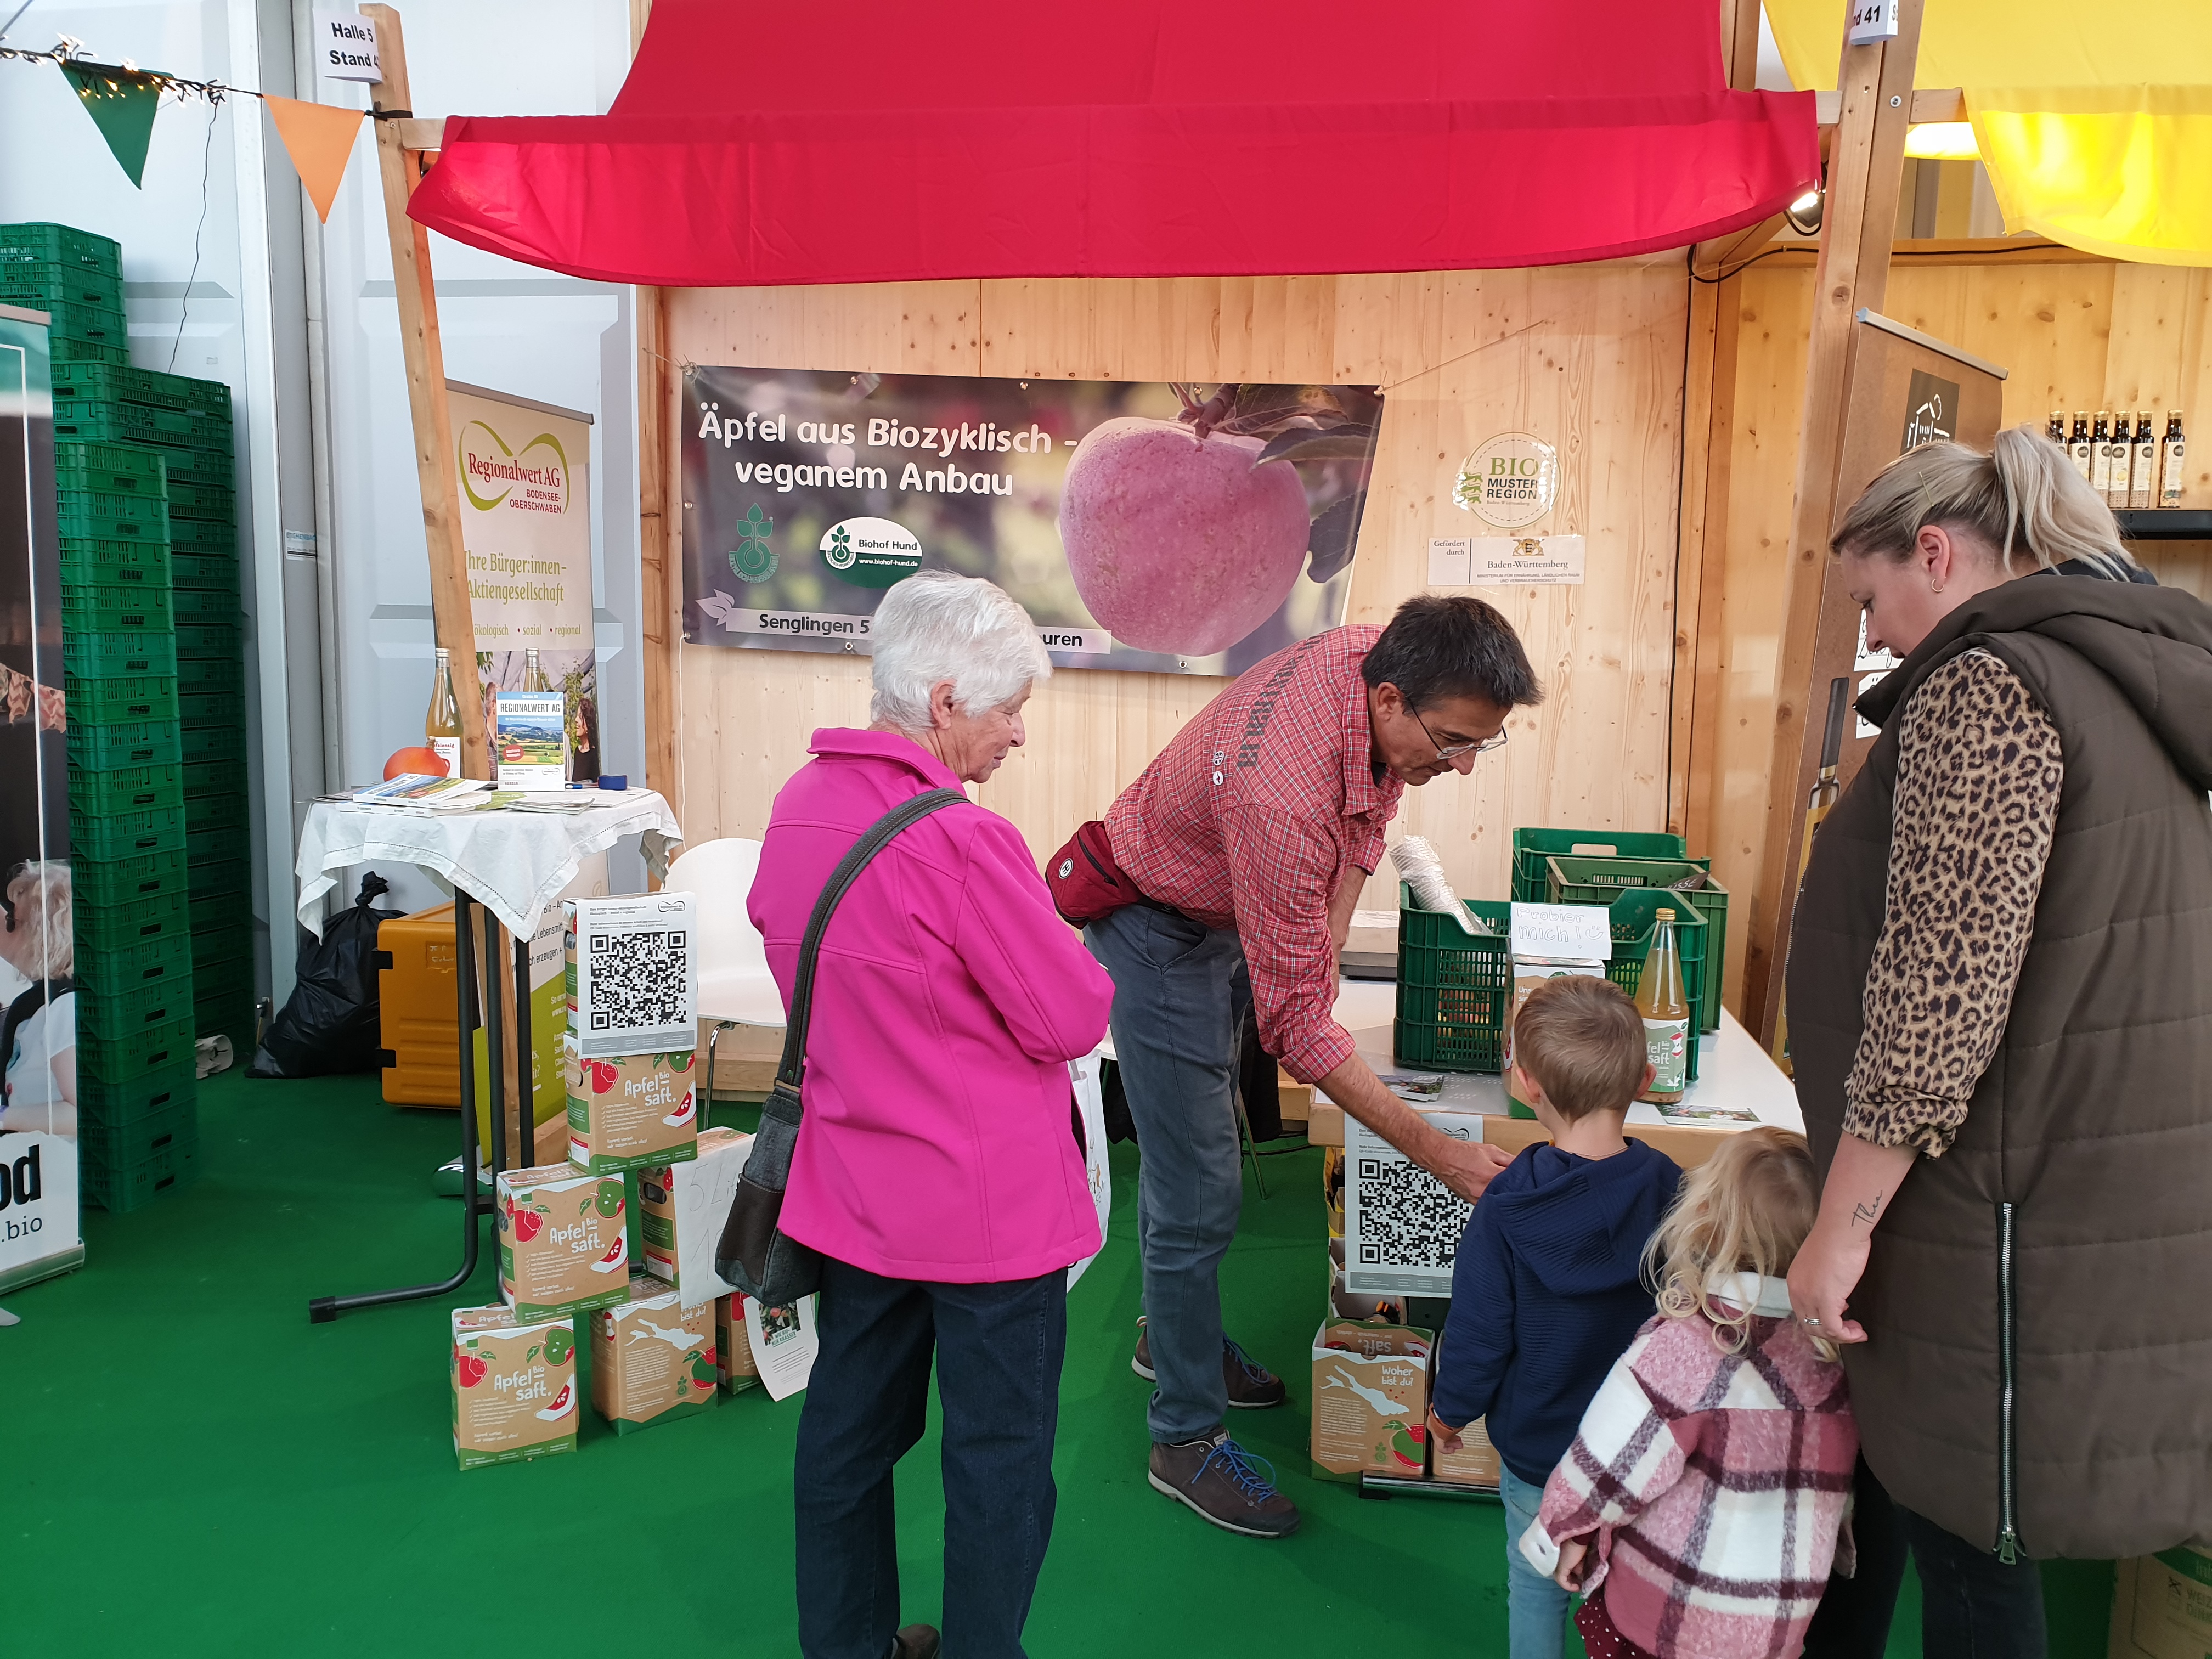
(191, 1467)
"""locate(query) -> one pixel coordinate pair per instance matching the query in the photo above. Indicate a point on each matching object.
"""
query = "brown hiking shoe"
(1225, 1484)
(1252, 1386)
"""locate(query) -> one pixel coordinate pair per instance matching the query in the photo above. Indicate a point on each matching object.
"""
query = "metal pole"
(525, 1058)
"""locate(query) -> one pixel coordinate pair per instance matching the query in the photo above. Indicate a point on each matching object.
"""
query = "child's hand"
(1442, 1436)
(1574, 1565)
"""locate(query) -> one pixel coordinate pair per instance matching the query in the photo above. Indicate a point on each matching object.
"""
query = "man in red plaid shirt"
(1247, 841)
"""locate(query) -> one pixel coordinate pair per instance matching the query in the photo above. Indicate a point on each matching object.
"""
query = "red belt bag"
(1086, 885)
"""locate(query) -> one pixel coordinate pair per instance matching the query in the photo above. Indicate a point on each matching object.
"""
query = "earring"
(1934, 586)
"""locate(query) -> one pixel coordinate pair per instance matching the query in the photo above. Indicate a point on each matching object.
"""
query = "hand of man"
(1574, 1563)
(1467, 1167)
(1822, 1277)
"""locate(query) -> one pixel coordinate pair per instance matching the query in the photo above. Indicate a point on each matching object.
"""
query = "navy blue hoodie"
(1547, 1293)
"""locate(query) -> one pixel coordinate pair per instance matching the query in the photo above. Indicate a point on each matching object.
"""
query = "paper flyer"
(784, 1344)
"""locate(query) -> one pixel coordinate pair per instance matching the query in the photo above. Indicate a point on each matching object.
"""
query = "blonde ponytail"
(2025, 502)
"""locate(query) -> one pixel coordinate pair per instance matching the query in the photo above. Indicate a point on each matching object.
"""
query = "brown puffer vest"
(2038, 1374)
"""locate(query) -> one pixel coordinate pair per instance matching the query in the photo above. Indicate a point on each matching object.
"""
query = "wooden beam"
(435, 468)
(1865, 172)
(661, 591)
(417, 134)
(1928, 104)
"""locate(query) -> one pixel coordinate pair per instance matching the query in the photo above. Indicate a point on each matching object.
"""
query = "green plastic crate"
(225, 778)
(123, 881)
(60, 245)
(112, 1105)
(213, 946)
(116, 1014)
(116, 926)
(149, 387)
(149, 524)
(126, 1145)
(121, 469)
(212, 828)
(189, 535)
(63, 349)
(118, 1058)
(103, 421)
(229, 878)
(125, 743)
(213, 743)
(194, 607)
(1599, 881)
(203, 501)
(208, 639)
(124, 788)
(212, 709)
(115, 973)
(230, 976)
(231, 1014)
(197, 464)
(217, 571)
(204, 674)
(94, 325)
(1532, 847)
(97, 561)
(105, 702)
(108, 838)
(1455, 991)
(88, 655)
(39, 282)
(221, 908)
(140, 608)
(133, 1186)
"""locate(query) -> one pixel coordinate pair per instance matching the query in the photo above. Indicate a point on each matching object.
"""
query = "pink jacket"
(949, 997)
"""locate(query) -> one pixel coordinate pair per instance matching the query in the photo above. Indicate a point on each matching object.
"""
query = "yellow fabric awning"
(2095, 126)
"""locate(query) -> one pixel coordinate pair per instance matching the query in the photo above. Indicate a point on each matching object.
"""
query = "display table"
(510, 865)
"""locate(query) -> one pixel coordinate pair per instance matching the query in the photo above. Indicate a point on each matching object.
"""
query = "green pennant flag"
(121, 103)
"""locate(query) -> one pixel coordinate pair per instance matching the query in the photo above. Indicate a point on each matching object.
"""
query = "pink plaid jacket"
(1716, 1485)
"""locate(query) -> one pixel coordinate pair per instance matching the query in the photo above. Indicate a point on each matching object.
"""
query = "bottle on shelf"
(2056, 431)
(1666, 1010)
(2172, 467)
(442, 726)
(2142, 465)
(2100, 456)
(2078, 449)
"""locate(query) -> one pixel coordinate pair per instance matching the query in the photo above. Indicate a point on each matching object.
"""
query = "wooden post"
(1866, 163)
(660, 593)
(435, 468)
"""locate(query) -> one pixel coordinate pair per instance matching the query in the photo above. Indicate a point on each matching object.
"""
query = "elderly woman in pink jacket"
(938, 1169)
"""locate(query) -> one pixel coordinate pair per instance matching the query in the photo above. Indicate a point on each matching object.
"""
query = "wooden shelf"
(2165, 524)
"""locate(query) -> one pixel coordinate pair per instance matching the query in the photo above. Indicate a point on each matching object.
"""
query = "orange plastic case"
(419, 1026)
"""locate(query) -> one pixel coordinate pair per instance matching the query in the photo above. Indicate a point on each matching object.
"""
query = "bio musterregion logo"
(533, 479)
(752, 558)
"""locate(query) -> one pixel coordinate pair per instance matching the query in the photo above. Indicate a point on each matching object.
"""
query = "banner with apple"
(1156, 525)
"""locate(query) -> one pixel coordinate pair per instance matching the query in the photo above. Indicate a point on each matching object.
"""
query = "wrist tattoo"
(1867, 1211)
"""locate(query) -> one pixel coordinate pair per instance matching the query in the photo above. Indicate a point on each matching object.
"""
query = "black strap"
(794, 1065)
(27, 1004)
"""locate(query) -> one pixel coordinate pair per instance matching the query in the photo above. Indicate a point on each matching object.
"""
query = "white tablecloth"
(511, 863)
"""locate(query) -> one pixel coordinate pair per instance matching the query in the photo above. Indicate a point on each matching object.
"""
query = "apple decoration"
(526, 1224)
(417, 760)
(469, 1368)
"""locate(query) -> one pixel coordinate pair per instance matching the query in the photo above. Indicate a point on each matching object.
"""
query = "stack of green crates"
(76, 279)
(137, 1097)
(187, 422)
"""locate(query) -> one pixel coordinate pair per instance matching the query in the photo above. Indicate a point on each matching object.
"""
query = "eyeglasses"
(1454, 751)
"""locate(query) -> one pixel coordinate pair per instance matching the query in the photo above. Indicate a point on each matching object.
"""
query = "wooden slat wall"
(1591, 358)
(2074, 332)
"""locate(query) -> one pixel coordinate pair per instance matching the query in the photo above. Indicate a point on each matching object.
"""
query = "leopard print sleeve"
(1978, 776)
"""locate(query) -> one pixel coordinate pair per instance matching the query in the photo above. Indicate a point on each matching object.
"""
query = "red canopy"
(848, 141)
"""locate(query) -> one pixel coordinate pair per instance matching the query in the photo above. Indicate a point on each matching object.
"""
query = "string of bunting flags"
(123, 99)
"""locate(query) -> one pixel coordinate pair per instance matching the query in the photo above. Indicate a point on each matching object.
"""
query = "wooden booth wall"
(2075, 332)
(1589, 357)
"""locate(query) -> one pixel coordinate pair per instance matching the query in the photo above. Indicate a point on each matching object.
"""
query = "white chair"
(735, 987)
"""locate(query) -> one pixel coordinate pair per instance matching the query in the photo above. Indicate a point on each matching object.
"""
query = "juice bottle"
(1666, 1010)
(442, 726)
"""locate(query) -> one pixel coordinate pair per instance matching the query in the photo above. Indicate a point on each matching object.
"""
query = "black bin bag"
(330, 1022)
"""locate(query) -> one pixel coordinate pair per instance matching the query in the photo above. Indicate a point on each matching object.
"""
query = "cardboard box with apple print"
(514, 1387)
(1371, 1399)
(738, 1372)
(563, 1240)
(630, 1111)
(652, 1362)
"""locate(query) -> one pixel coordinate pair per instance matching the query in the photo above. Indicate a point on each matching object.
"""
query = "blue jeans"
(999, 1349)
(1180, 994)
(1535, 1608)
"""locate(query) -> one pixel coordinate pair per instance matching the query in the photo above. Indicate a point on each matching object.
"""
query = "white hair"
(935, 626)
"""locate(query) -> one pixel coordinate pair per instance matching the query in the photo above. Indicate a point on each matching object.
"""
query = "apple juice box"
(682, 1208)
(1371, 1399)
(738, 1372)
(515, 1386)
(564, 1242)
(629, 1111)
(653, 1361)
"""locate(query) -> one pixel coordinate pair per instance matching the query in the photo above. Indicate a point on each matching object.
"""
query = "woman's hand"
(1442, 1436)
(1574, 1565)
(1823, 1277)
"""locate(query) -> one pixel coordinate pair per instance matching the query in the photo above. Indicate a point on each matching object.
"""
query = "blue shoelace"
(1255, 1487)
(1251, 1367)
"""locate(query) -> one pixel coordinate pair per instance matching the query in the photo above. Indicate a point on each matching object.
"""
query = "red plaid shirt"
(1252, 818)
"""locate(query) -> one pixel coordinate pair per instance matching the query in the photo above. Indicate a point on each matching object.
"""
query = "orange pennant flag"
(319, 140)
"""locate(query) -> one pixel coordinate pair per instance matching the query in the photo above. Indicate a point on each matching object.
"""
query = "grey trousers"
(1181, 993)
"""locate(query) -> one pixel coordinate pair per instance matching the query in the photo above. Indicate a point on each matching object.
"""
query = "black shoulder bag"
(755, 1255)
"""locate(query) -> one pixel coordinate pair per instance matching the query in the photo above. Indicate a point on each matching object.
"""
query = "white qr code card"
(633, 980)
(1402, 1225)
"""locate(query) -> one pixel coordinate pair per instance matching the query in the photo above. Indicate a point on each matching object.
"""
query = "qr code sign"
(637, 979)
(1409, 1219)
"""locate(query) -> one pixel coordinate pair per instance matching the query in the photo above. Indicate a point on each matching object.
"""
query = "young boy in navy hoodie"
(1547, 1289)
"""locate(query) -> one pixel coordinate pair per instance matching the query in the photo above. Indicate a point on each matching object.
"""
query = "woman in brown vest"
(2000, 992)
